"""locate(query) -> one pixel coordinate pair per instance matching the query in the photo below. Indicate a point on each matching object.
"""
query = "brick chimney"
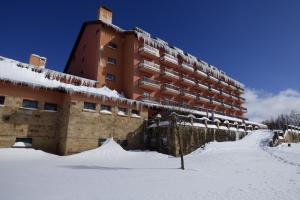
(105, 14)
(37, 61)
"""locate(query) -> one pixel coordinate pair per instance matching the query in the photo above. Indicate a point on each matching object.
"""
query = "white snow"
(22, 144)
(27, 74)
(246, 169)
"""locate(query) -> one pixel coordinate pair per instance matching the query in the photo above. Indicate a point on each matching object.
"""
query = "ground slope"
(245, 169)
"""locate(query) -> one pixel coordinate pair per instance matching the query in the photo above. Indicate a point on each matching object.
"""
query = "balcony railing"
(203, 98)
(214, 90)
(188, 94)
(187, 67)
(234, 97)
(167, 73)
(149, 99)
(187, 81)
(201, 73)
(149, 66)
(241, 90)
(217, 102)
(149, 83)
(171, 103)
(169, 60)
(223, 83)
(244, 109)
(202, 86)
(148, 50)
(168, 88)
(226, 94)
(227, 105)
(213, 78)
(242, 99)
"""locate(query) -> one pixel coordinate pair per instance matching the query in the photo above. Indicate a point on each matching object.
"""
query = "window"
(110, 77)
(2, 99)
(50, 107)
(112, 45)
(111, 61)
(101, 141)
(122, 111)
(89, 106)
(30, 104)
(146, 95)
(105, 107)
(23, 143)
(135, 113)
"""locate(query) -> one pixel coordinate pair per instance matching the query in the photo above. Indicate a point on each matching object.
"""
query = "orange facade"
(122, 61)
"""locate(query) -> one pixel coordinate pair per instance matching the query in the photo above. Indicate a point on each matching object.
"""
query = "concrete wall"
(71, 129)
(192, 138)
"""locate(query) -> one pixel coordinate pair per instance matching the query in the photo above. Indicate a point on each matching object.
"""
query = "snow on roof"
(21, 73)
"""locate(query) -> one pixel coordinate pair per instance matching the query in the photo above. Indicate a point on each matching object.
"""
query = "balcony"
(148, 83)
(170, 74)
(226, 94)
(148, 66)
(187, 67)
(213, 78)
(188, 95)
(203, 99)
(215, 90)
(202, 86)
(169, 60)
(201, 73)
(241, 90)
(171, 103)
(241, 99)
(227, 105)
(148, 99)
(223, 83)
(187, 81)
(234, 97)
(216, 102)
(170, 89)
(236, 108)
(149, 51)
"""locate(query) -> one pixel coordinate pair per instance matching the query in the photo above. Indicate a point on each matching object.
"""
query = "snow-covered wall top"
(21, 73)
(175, 51)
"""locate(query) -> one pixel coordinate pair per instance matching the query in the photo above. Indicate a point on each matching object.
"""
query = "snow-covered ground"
(246, 169)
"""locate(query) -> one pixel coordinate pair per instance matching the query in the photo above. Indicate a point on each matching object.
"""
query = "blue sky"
(255, 41)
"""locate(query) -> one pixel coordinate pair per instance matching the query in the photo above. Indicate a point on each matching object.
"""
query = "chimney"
(37, 61)
(105, 14)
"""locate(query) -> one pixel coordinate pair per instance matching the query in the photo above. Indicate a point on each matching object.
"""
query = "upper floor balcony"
(236, 108)
(170, 103)
(214, 90)
(149, 51)
(213, 78)
(187, 94)
(148, 83)
(227, 105)
(169, 60)
(170, 89)
(170, 74)
(217, 102)
(148, 66)
(186, 67)
(187, 81)
(234, 97)
(244, 109)
(203, 99)
(201, 73)
(223, 83)
(148, 99)
(242, 99)
(241, 90)
(226, 94)
(202, 86)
